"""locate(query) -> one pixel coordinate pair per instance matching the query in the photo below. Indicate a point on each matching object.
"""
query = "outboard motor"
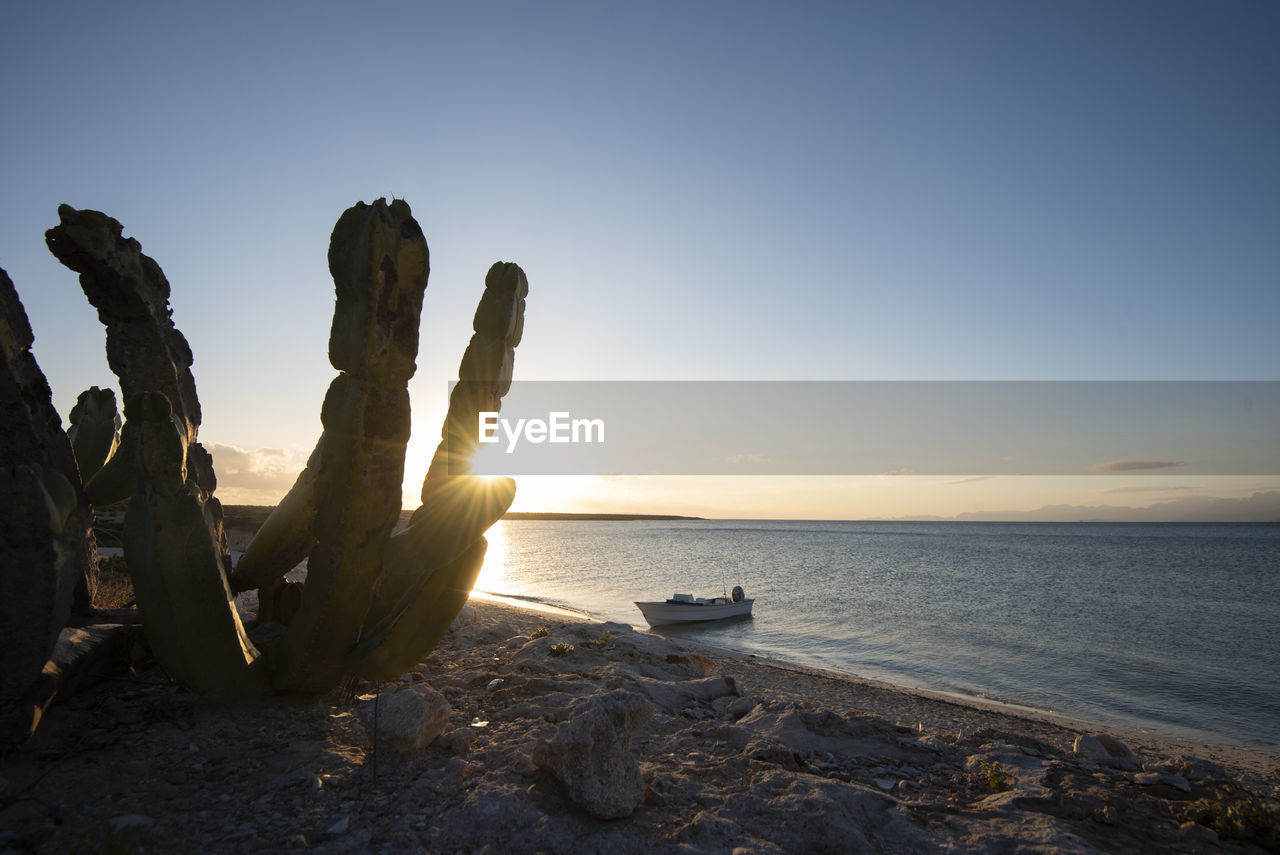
(738, 593)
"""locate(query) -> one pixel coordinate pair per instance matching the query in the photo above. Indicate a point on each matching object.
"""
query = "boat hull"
(657, 613)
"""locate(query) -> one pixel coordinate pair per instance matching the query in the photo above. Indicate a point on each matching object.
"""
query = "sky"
(728, 191)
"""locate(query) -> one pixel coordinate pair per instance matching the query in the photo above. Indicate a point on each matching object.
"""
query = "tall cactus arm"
(144, 348)
(130, 291)
(286, 537)
(429, 568)
(36, 542)
(484, 375)
(379, 261)
(152, 448)
(173, 558)
(95, 429)
(38, 591)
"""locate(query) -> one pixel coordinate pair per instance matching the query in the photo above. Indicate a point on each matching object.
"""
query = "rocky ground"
(595, 738)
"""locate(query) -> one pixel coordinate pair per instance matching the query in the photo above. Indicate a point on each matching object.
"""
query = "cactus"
(47, 544)
(287, 535)
(144, 349)
(430, 567)
(373, 604)
(171, 551)
(379, 261)
(423, 575)
(95, 429)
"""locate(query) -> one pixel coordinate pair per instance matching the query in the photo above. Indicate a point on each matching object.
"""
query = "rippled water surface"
(1173, 628)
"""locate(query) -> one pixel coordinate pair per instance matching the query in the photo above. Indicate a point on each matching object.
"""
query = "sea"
(1170, 628)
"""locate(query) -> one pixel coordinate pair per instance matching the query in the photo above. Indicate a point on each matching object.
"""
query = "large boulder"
(590, 753)
(406, 720)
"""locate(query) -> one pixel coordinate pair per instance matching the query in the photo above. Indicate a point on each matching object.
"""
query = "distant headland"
(252, 516)
(527, 515)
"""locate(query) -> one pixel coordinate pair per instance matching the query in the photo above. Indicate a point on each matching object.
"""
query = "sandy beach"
(532, 732)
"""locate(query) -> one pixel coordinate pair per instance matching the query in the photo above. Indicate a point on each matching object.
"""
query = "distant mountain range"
(1260, 507)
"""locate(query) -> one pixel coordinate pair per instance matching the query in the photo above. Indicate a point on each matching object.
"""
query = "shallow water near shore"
(1169, 628)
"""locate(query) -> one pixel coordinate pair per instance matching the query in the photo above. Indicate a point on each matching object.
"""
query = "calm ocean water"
(1171, 628)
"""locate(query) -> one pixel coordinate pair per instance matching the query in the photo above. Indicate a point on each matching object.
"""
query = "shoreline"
(558, 733)
(1202, 740)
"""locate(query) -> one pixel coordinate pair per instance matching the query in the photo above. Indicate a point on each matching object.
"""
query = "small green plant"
(560, 648)
(1241, 819)
(600, 642)
(994, 775)
(540, 632)
(102, 837)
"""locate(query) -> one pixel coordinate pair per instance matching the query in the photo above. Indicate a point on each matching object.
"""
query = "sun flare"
(493, 574)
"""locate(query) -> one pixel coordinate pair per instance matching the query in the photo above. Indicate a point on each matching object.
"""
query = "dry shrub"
(110, 586)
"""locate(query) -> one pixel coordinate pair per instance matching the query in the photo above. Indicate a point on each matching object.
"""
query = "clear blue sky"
(1083, 190)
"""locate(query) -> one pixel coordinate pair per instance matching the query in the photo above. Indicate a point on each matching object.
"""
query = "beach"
(527, 731)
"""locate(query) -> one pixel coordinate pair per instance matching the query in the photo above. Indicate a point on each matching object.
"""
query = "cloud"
(1170, 489)
(1133, 465)
(972, 480)
(898, 472)
(258, 476)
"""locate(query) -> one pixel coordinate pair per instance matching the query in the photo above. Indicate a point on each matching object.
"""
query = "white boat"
(686, 608)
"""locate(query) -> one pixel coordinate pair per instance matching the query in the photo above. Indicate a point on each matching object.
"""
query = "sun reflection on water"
(493, 575)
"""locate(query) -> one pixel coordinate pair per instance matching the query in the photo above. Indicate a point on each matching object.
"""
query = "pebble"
(339, 827)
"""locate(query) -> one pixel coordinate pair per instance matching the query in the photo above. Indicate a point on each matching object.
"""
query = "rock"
(1199, 769)
(1113, 746)
(590, 753)
(82, 656)
(804, 813)
(1196, 831)
(1090, 748)
(466, 616)
(671, 698)
(1101, 748)
(819, 733)
(1148, 779)
(933, 742)
(409, 719)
